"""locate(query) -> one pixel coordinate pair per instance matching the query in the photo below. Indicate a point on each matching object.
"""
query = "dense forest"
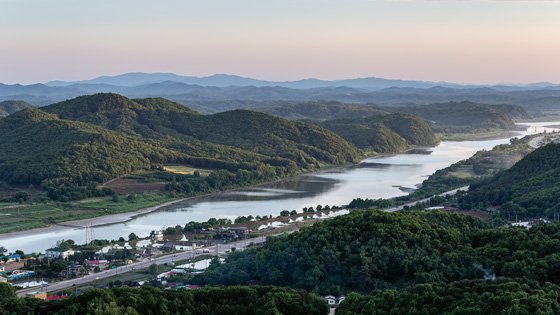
(465, 116)
(92, 139)
(175, 124)
(10, 107)
(383, 133)
(321, 110)
(530, 188)
(150, 300)
(448, 117)
(468, 297)
(371, 250)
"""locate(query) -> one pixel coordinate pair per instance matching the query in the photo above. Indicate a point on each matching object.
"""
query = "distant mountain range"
(220, 87)
(225, 80)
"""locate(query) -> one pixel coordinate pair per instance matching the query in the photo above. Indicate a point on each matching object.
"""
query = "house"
(238, 230)
(52, 253)
(1, 269)
(11, 258)
(74, 269)
(56, 297)
(331, 300)
(158, 236)
(167, 247)
(141, 252)
(37, 295)
(143, 243)
(2, 279)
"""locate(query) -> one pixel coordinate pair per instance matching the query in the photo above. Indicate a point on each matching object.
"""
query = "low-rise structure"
(11, 258)
(58, 253)
(158, 236)
(334, 300)
(37, 295)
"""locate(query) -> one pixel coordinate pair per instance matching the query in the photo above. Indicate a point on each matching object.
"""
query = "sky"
(480, 42)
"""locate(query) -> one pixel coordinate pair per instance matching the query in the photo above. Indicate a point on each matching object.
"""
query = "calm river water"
(379, 177)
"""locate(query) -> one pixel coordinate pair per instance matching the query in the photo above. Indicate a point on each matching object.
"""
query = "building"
(11, 258)
(158, 236)
(74, 269)
(2, 279)
(52, 253)
(185, 246)
(1, 269)
(37, 295)
(331, 300)
(238, 230)
(168, 247)
(334, 300)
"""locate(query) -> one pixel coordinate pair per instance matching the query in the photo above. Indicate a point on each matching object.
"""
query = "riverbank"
(101, 220)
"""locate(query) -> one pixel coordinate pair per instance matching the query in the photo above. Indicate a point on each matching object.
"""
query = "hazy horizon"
(464, 42)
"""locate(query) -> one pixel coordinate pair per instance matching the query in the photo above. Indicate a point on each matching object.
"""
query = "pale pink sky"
(455, 41)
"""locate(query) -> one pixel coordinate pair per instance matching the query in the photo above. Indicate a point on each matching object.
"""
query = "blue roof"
(14, 256)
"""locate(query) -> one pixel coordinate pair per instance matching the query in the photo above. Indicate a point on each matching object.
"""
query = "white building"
(58, 253)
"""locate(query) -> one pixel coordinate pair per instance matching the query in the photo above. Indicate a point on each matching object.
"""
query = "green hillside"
(375, 250)
(376, 137)
(92, 139)
(464, 116)
(161, 119)
(530, 188)
(383, 133)
(10, 107)
(35, 146)
(503, 296)
(322, 110)
(150, 300)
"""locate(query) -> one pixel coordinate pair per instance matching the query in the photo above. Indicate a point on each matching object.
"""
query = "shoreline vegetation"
(106, 219)
(100, 219)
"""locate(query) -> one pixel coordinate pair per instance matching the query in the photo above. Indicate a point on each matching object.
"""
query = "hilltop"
(465, 116)
(529, 188)
(10, 107)
(383, 133)
(91, 139)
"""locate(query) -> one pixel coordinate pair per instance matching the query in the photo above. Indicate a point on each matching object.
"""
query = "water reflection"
(378, 177)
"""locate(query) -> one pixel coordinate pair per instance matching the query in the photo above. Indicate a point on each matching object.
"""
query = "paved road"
(221, 249)
(451, 192)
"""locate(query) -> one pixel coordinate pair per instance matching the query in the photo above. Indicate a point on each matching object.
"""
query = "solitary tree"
(154, 269)
(3, 250)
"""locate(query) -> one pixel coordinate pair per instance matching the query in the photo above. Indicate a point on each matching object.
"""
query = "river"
(378, 177)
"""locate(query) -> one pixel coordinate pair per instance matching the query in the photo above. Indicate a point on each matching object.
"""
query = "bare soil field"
(127, 186)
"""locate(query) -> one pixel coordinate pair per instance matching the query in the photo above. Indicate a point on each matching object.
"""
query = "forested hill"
(383, 133)
(99, 137)
(502, 296)
(158, 118)
(10, 107)
(257, 300)
(530, 188)
(322, 110)
(465, 116)
(370, 250)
